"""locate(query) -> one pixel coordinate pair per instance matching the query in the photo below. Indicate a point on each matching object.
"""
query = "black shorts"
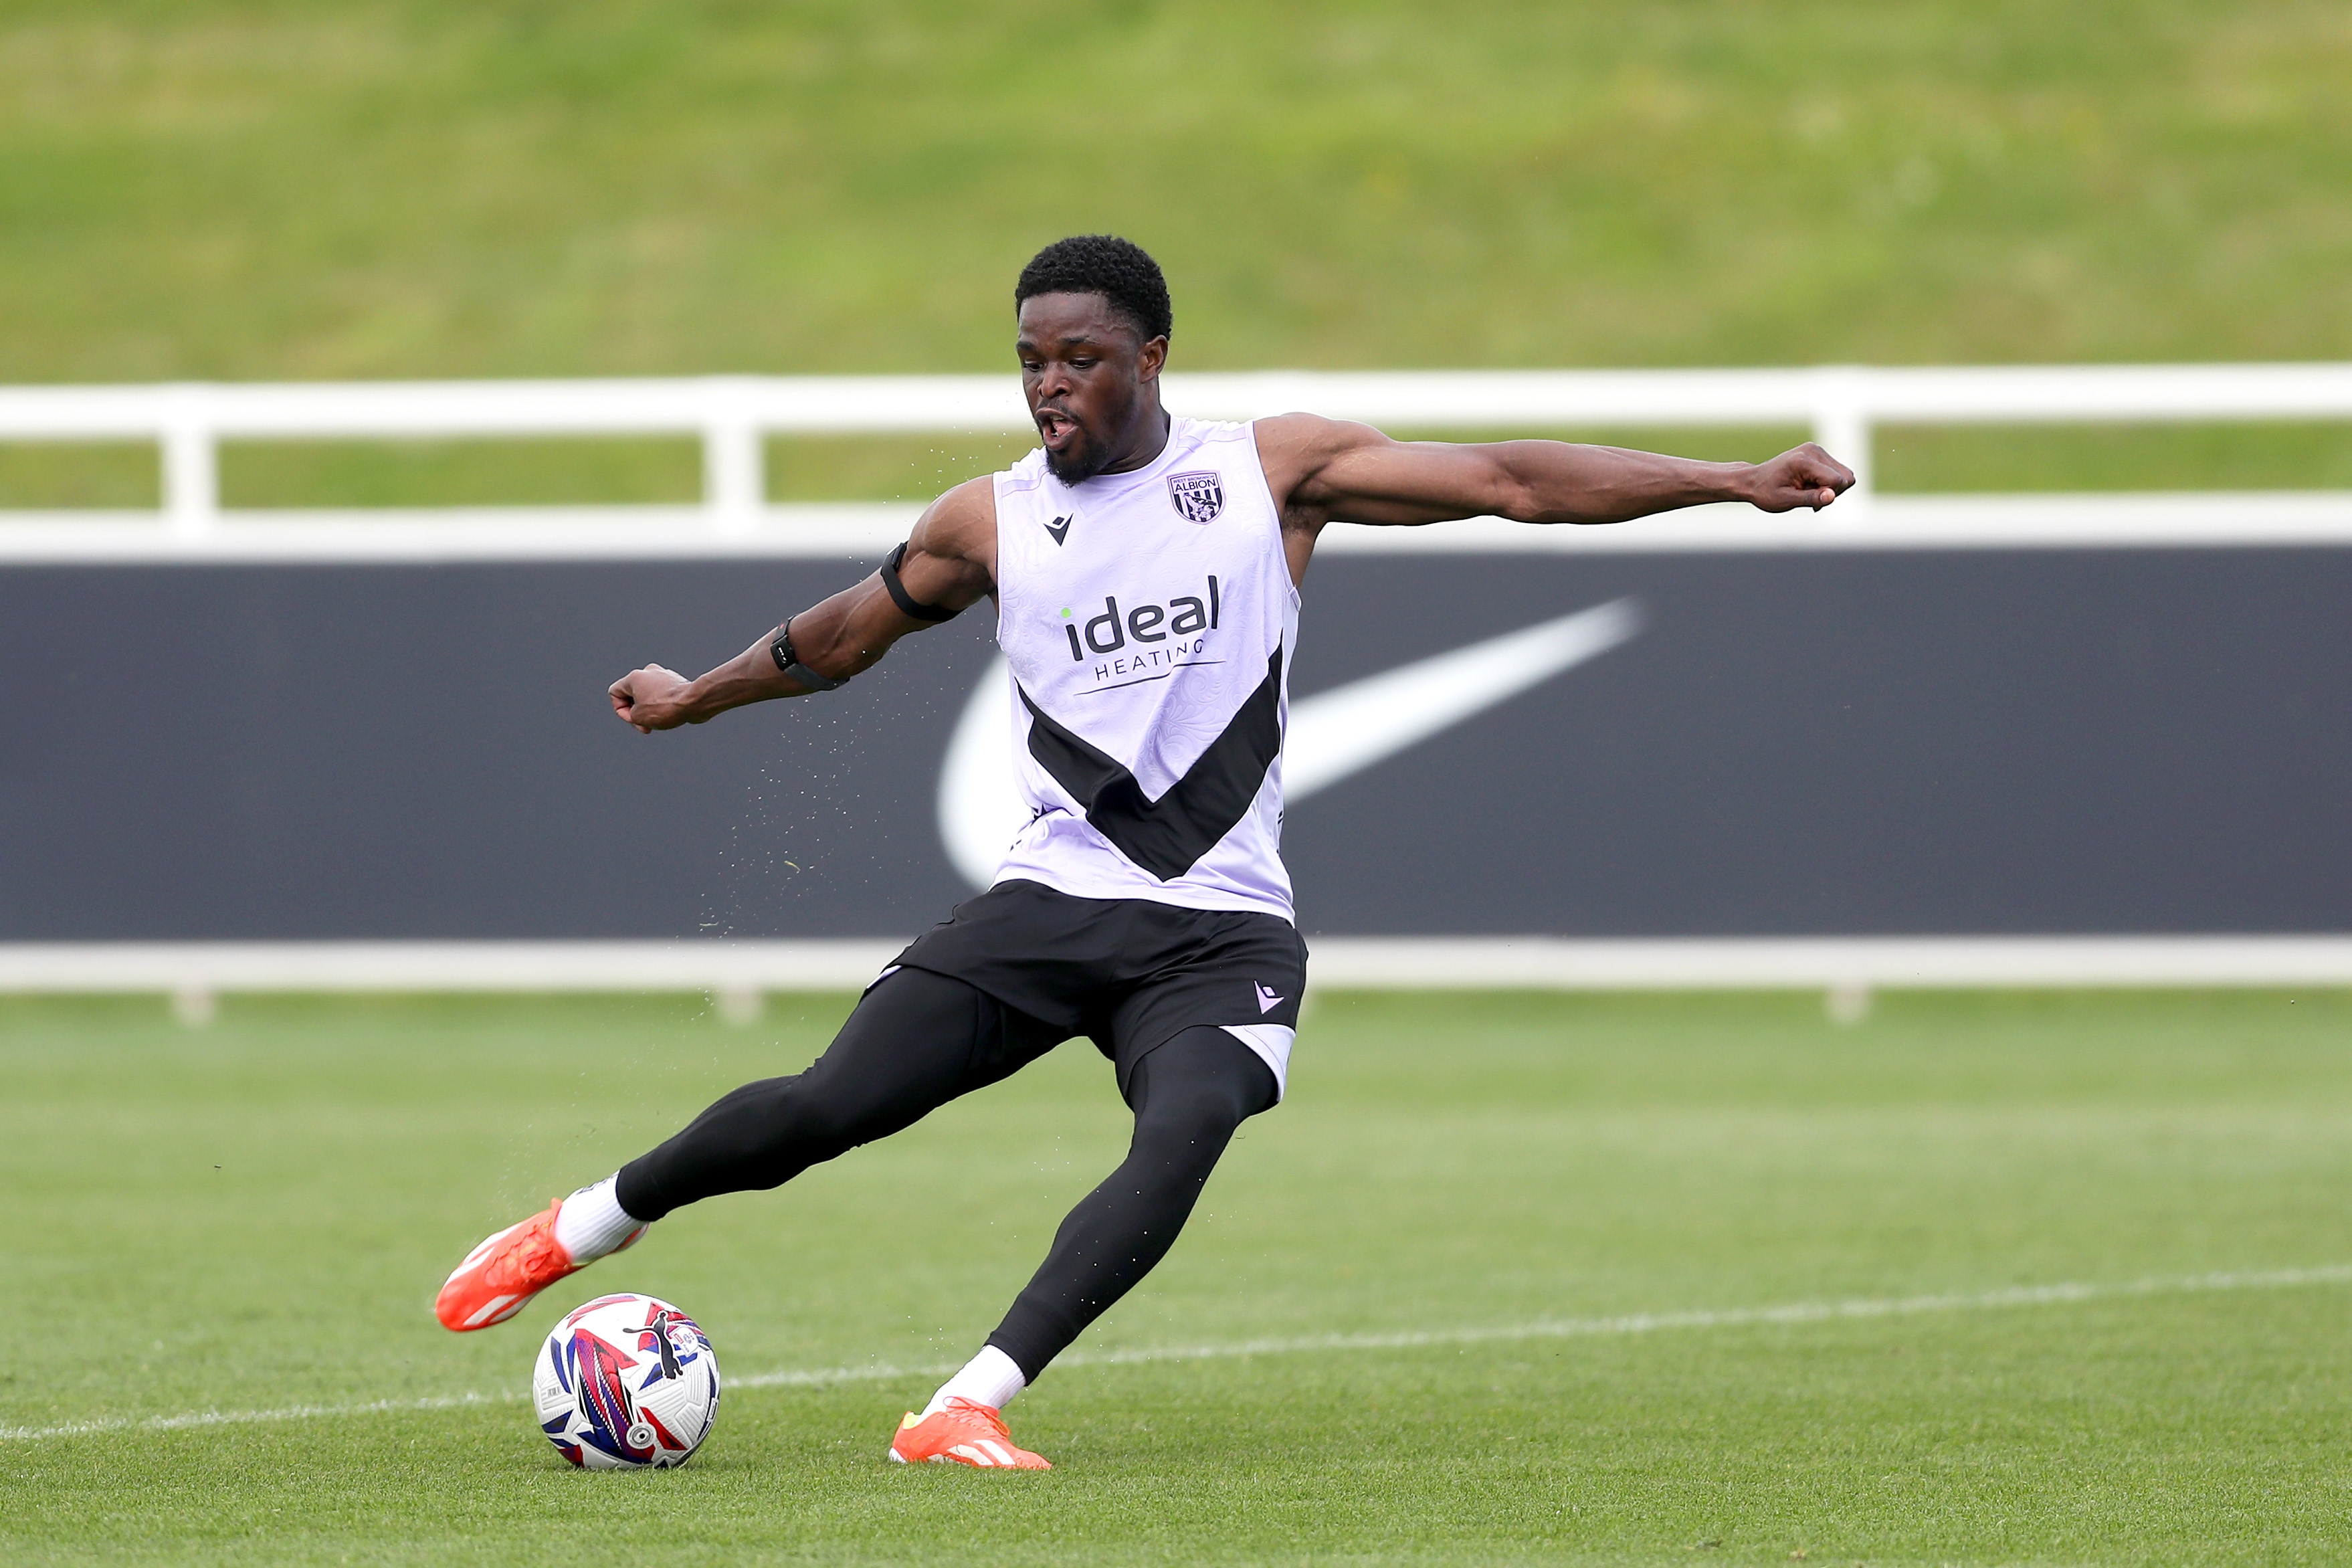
(1128, 973)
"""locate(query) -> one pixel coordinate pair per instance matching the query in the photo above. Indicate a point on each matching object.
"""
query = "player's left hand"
(1802, 476)
(652, 698)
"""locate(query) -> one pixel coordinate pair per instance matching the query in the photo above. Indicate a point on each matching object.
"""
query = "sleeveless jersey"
(1147, 620)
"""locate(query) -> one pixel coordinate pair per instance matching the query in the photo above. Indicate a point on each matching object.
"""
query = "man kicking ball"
(1145, 569)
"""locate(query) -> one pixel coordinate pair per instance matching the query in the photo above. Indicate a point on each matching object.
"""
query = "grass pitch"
(254, 189)
(1467, 1235)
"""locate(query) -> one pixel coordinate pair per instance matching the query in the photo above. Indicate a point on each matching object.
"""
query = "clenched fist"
(1802, 476)
(654, 698)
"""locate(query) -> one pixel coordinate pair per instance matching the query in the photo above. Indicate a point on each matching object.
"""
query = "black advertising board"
(1836, 742)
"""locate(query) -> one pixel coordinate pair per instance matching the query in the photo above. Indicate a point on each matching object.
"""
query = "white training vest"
(1149, 619)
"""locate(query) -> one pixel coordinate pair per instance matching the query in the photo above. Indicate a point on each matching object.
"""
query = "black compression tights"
(919, 1040)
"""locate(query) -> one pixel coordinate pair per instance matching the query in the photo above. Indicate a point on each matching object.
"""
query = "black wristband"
(906, 601)
(780, 650)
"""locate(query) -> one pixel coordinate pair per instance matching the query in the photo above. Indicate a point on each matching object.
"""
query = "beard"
(1089, 453)
(1082, 460)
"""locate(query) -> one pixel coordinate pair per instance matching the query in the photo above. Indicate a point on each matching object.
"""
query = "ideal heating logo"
(1115, 631)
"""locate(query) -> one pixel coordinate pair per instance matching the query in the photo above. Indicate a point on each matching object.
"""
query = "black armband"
(780, 650)
(906, 601)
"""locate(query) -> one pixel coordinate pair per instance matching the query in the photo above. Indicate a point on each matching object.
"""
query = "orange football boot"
(498, 1277)
(962, 1433)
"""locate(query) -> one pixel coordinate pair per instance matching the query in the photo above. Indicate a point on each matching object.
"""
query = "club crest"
(1198, 498)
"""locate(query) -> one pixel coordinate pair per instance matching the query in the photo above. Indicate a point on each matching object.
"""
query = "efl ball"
(626, 1382)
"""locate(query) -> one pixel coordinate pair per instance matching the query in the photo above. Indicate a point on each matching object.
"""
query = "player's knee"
(1189, 1121)
(1202, 1080)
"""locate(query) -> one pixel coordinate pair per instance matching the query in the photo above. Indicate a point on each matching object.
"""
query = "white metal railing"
(731, 415)
(195, 969)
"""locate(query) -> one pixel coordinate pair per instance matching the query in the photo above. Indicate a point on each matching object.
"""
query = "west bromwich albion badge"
(1199, 498)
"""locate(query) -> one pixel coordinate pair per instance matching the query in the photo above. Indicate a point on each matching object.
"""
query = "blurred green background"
(247, 189)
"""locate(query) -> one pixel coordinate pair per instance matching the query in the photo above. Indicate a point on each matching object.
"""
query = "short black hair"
(1117, 269)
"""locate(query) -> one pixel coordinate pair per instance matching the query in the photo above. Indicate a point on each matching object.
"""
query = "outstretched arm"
(1330, 471)
(951, 562)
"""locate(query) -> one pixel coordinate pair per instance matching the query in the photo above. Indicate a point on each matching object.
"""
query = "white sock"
(593, 1223)
(991, 1378)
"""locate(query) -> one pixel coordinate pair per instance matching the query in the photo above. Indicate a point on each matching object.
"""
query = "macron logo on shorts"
(1266, 1000)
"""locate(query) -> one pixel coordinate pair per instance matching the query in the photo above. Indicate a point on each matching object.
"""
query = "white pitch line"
(1728, 1318)
(1558, 1328)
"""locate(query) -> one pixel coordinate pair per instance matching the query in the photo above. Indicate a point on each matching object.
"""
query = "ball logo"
(626, 1382)
(1198, 498)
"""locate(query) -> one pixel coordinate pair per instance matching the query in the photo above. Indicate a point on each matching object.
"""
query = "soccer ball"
(626, 1382)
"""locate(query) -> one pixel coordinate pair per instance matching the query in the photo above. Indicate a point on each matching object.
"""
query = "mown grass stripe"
(1798, 1312)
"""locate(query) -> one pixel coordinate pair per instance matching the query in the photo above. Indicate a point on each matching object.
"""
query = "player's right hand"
(652, 698)
(1802, 476)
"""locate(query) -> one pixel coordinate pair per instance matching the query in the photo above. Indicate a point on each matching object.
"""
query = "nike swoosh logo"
(1058, 528)
(1336, 733)
(1333, 735)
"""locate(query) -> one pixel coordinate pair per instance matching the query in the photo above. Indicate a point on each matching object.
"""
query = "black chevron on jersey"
(1167, 836)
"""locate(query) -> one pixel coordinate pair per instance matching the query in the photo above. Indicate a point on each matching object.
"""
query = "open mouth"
(1056, 429)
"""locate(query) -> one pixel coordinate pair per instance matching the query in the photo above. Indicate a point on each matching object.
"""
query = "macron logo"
(1266, 1000)
(1060, 527)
